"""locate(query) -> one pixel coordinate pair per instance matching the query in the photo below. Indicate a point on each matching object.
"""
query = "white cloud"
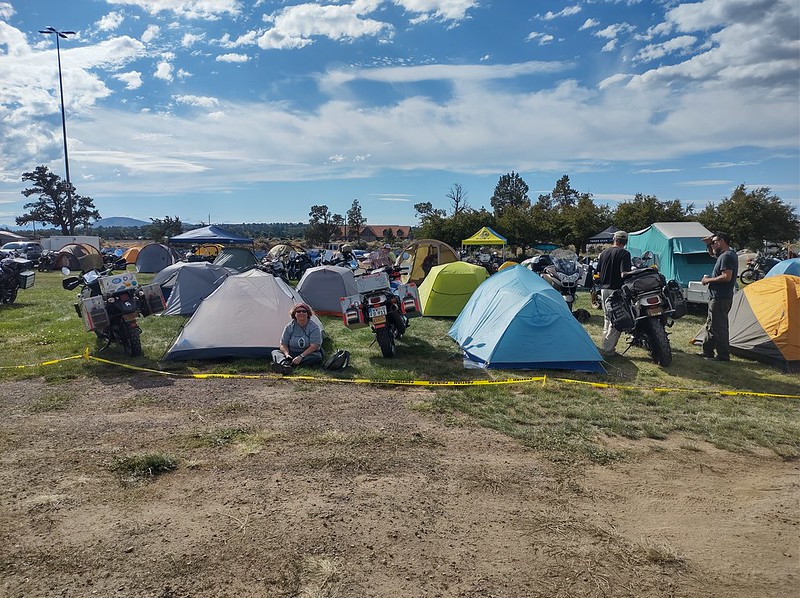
(6, 10)
(707, 183)
(110, 21)
(609, 46)
(248, 39)
(190, 9)
(681, 44)
(150, 33)
(544, 38)
(232, 57)
(296, 26)
(164, 71)
(132, 80)
(197, 101)
(588, 24)
(566, 12)
(454, 10)
(336, 159)
(613, 31)
(190, 38)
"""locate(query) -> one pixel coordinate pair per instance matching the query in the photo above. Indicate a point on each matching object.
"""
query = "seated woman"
(301, 342)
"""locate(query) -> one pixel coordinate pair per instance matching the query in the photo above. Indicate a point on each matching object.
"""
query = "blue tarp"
(516, 320)
(210, 234)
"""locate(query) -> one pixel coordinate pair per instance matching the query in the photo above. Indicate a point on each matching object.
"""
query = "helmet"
(347, 248)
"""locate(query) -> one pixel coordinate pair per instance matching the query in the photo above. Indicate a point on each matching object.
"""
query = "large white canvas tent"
(323, 286)
(244, 317)
(186, 284)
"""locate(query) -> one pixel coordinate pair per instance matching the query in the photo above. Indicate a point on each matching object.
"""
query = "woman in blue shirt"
(301, 341)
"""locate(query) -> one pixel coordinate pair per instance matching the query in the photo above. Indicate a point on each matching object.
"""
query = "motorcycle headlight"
(572, 278)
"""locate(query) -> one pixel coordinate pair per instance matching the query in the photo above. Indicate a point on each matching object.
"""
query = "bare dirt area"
(298, 489)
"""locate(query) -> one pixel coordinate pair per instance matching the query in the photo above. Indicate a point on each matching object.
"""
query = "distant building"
(378, 232)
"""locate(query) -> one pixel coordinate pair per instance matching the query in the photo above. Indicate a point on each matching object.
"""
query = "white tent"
(244, 317)
(323, 286)
(186, 284)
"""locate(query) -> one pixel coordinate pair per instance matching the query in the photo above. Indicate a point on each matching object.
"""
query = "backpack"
(338, 361)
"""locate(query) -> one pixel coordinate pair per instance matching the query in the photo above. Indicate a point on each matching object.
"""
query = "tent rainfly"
(322, 287)
(186, 284)
(447, 288)
(211, 234)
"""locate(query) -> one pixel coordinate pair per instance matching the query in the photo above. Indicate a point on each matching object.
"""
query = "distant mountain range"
(120, 221)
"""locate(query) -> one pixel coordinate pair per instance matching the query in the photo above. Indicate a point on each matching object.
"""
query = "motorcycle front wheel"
(657, 341)
(386, 342)
(9, 295)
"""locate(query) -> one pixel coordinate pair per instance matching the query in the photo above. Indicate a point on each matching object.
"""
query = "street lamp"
(63, 35)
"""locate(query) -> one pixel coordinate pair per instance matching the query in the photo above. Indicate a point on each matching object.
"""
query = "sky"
(254, 111)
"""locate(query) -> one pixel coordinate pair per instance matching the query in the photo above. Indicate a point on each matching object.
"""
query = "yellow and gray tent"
(765, 321)
(447, 288)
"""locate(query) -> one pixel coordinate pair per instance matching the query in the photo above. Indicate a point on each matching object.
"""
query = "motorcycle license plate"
(376, 312)
(654, 311)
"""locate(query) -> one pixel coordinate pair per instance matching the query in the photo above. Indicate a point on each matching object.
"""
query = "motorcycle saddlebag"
(152, 300)
(26, 279)
(676, 299)
(95, 316)
(619, 312)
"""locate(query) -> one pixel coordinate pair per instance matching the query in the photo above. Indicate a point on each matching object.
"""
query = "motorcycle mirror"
(648, 255)
(70, 283)
(65, 271)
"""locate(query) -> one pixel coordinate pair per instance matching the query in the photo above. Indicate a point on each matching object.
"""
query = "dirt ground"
(298, 489)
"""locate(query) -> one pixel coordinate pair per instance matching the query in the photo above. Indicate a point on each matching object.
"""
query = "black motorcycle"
(757, 268)
(297, 264)
(384, 305)
(110, 304)
(645, 306)
(563, 273)
(47, 261)
(15, 273)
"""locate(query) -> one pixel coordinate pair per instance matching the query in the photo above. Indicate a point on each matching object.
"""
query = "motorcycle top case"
(152, 300)
(372, 282)
(115, 283)
(26, 279)
(94, 314)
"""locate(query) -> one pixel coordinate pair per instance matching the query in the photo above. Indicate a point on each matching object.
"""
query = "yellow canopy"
(485, 236)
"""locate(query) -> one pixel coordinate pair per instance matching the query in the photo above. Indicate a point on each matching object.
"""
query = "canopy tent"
(322, 287)
(485, 236)
(604, 237)
(678, 247)
(790, 266)
(418, 258)
(154, 257)
(244, 317)
(447, 288)
(240, 259)
(516, 320)
(211, 234)
(185, 285)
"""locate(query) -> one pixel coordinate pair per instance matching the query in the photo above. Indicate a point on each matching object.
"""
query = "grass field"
(564, 417)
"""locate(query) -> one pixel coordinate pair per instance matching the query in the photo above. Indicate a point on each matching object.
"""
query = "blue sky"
(253, 111)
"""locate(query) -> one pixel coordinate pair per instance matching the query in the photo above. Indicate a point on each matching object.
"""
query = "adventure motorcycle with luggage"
(645, 306)
(563, 273)
(110, 304)
(384, 305)
(15, 273)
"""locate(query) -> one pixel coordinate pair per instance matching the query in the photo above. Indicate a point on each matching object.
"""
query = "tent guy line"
(87, 356)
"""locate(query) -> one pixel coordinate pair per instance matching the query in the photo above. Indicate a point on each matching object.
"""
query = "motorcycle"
(563, 273)
(297, 264)
(274, 267)
(47, 261)
(15, 273)
(757, 268)
(645, 306)
(109, 305)
(384, 305)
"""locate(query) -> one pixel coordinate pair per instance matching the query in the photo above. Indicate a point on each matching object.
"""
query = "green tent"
(447, 288)
(678, 248)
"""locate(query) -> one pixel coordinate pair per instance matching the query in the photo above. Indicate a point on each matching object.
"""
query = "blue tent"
(211, 234)
(678, 248)
(515, 320)
(790, 266)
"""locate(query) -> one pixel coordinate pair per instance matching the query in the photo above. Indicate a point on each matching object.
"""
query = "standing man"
(720, 285)
(611, 264)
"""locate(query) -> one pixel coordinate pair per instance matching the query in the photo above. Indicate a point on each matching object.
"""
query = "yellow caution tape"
(86, 356)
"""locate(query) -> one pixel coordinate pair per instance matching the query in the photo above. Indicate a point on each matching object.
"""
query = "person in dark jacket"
(612, 264)
(721, 285)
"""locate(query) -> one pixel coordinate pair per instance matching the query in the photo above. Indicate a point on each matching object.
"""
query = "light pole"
(58, 35)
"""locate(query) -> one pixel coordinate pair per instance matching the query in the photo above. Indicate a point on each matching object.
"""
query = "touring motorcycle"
(645, 306)
(384, 305)
(15, 273)
(110, 304)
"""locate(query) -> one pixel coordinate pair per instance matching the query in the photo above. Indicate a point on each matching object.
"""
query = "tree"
(168, 227)
(510, 191)
(58, 204)
(751, 218)
(458, 199)
(563, 194)
(355, 220)
(644, 210)
(321, 226)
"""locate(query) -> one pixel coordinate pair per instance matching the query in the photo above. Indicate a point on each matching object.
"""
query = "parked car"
(26, 249)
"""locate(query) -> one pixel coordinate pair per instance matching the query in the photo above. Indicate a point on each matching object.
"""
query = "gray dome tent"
(154, 257)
